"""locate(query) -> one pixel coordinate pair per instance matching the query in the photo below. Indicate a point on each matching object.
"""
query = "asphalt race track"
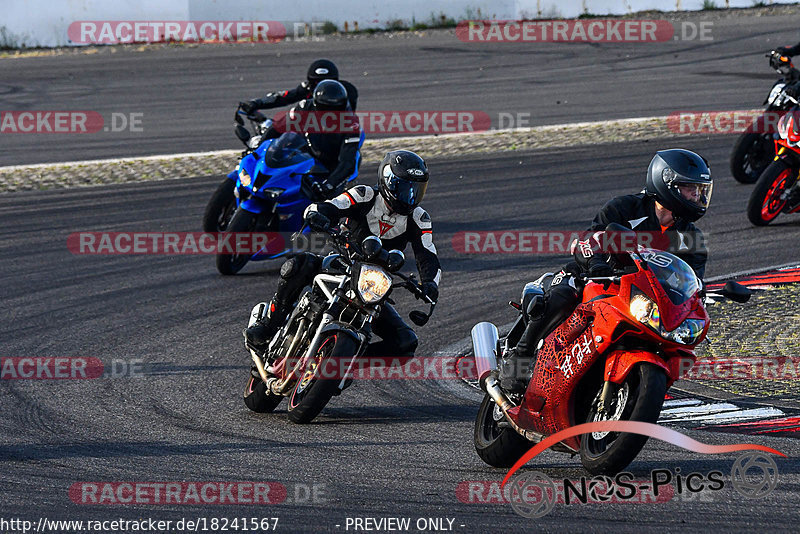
(384, 448)
(169, 326)
(186, 96)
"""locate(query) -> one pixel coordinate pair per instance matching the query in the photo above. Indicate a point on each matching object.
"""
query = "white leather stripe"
(342, 202)
(636, 222)
(368, 195)
(438, 277)
(427, 242)
(417, 215)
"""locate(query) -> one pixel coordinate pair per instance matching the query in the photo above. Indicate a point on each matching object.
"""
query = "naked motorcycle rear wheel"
(257, 398)
(496, 442)
(639, 398)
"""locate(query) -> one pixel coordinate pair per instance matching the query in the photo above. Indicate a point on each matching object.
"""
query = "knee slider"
(290, 268)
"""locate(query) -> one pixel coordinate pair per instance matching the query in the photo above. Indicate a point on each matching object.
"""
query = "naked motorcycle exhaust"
(484, 345)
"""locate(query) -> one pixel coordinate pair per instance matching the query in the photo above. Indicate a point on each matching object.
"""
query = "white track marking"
(695, 411)
(400, 140)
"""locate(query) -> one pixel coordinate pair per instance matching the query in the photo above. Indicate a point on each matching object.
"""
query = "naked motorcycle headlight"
(244, 178)
(373, 284)
(646, 312)
(776, 92)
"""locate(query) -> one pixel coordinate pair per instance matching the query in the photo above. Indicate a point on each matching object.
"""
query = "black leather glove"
(430, 290)
(587, 252)
(600, 268)
(248, 107)
(328, 191)
(317, 221)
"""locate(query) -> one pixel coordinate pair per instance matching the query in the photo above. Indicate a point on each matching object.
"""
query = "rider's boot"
(260, 333)
(296, 272)
(518, 361)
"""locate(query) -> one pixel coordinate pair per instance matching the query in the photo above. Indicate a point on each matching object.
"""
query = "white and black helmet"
(681, 182)
(402, 180)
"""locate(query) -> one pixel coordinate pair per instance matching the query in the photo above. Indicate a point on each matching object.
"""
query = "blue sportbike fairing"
(268, 181)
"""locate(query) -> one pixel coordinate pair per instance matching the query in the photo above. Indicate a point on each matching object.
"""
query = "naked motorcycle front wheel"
(639, 398)
(320, 379)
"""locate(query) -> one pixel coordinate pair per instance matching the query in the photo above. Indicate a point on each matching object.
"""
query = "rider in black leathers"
(677, 193)
(390, 211)
(321, 69)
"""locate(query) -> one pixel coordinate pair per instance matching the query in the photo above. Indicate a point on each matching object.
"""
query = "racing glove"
(248, 107)
(317, 221)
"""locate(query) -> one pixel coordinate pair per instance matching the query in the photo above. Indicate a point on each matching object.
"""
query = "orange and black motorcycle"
(777, 190)
(614, 358)
(753, 150)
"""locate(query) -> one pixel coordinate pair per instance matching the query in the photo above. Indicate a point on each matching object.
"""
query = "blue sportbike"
(268, 191)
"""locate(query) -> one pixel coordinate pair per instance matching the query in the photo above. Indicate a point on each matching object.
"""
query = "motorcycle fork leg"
(605, 396)
(312, 349)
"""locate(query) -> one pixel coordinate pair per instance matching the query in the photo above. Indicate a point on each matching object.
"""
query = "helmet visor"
(404, 191)
(695, 193)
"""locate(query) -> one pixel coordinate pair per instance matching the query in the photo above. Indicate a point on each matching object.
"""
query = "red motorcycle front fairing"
(595, 334)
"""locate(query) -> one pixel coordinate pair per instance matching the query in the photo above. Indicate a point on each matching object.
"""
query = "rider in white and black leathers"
(391, 211)
(677, 193)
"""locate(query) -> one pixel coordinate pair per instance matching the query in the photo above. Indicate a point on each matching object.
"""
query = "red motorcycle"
(614, 358)
(777, 190)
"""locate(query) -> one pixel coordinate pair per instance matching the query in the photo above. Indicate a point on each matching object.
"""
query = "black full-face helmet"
(321, 69)
(330, 95)
(402, 180)
(681, 182)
